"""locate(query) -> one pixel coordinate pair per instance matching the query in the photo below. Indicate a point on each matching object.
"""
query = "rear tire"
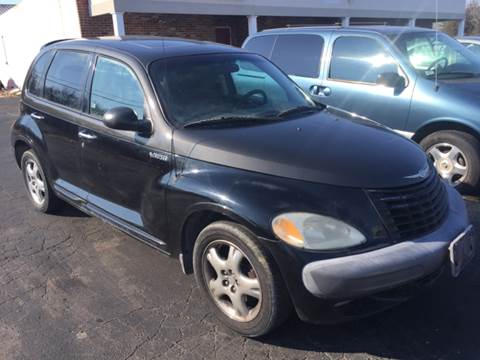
(243, 271)
(38, 188)
(456, 155)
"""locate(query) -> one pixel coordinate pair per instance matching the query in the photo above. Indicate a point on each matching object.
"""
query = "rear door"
(54, 100)
(356, 61)
(125, 173)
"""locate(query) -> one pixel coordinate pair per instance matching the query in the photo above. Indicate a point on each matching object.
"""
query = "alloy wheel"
(232, 281)
(35, 181)
(450, 162)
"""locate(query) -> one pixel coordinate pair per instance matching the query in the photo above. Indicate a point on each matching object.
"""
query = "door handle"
(319, 90)
(37, 116)
(86, 135)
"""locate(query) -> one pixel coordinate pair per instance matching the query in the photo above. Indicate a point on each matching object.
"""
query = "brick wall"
(92, 26)
(199, 27)
(270, 22)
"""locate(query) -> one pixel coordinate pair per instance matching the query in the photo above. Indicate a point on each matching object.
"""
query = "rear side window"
(66, 77)
(360, 59)
(37, 75)
(299, 54)
(115, 85)
(262, 45)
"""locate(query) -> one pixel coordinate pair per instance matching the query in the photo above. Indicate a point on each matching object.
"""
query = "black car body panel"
(306, 149)
(159, 187)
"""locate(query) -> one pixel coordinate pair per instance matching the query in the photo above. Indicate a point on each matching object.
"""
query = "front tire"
(456, 156)
(242, 283)
(39, 191)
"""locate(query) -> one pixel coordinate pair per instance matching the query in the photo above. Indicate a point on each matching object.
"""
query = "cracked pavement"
(72, 287)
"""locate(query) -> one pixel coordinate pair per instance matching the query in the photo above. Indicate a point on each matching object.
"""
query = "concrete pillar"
(461, 28)
(412, 22)
(346, 21)
(252, 24)
(118, 24)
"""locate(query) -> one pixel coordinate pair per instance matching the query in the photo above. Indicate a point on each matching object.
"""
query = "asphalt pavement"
(73, 287)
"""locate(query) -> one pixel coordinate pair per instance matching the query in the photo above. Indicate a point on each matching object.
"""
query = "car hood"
(328, 147)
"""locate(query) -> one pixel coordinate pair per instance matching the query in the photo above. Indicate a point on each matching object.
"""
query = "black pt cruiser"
(211, 154)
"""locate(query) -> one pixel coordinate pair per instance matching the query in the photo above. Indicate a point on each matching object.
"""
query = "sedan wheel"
(241, 280)
(450, 162)
(232, 281)
(35, 181)
(39, 191)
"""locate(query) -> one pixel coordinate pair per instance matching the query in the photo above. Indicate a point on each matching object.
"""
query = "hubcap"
(232, 281)
(35, 181)
(450, 162)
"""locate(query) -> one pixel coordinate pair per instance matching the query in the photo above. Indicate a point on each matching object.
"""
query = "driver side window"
(114, 85)
(360, 59)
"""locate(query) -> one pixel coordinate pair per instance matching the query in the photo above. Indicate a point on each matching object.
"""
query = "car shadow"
(68, 210)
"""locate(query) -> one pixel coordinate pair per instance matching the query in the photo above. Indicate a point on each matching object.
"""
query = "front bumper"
(362, 275)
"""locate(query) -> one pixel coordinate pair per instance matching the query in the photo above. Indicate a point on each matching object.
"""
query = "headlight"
(315, 232)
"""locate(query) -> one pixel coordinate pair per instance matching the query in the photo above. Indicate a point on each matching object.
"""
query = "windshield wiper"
(299, 110)
(228, 120)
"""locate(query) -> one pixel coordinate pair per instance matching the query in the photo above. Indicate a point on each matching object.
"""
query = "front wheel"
(456, 156)
(240, 279)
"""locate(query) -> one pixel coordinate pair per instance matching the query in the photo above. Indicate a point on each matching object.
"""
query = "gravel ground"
(72, 287)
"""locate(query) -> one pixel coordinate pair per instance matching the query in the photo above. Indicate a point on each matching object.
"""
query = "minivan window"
(37, 75)
(262, 45)
(114, 85)
(439, 55)
(66, 77)
(360, 59)
(194, 88)
(290, 48)
(473, 47)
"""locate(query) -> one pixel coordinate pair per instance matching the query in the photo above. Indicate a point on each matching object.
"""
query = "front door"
(351, 81)
(124, 175)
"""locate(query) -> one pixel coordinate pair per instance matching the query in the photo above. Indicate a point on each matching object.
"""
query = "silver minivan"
(422, 83)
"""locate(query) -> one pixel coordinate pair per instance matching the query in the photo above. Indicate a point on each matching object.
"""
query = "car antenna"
(436, 41)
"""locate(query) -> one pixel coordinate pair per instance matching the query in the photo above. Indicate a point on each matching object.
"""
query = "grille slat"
(414, 210)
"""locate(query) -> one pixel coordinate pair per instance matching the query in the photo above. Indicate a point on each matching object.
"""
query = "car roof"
(145, 49)
(379, 29)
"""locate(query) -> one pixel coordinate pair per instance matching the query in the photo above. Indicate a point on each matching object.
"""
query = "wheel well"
(444, 125)
(20, 148)
(192, 227)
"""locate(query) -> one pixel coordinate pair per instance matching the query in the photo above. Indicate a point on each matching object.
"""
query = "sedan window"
(37, 75)
(115, 85)
(66, 78)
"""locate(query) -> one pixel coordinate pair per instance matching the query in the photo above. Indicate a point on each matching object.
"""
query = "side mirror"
(123, 118)
(392, 80)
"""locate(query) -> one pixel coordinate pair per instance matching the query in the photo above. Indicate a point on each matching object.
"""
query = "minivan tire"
(49, 201)
(469, 146)
(275, 306)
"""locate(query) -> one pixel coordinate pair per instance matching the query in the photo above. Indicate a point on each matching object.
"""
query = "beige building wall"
(28, 26)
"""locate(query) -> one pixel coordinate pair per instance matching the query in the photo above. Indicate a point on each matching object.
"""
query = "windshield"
(438, 55)
(218, 86)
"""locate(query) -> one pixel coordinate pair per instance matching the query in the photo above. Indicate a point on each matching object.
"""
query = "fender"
(437, 124)
(26, 130)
